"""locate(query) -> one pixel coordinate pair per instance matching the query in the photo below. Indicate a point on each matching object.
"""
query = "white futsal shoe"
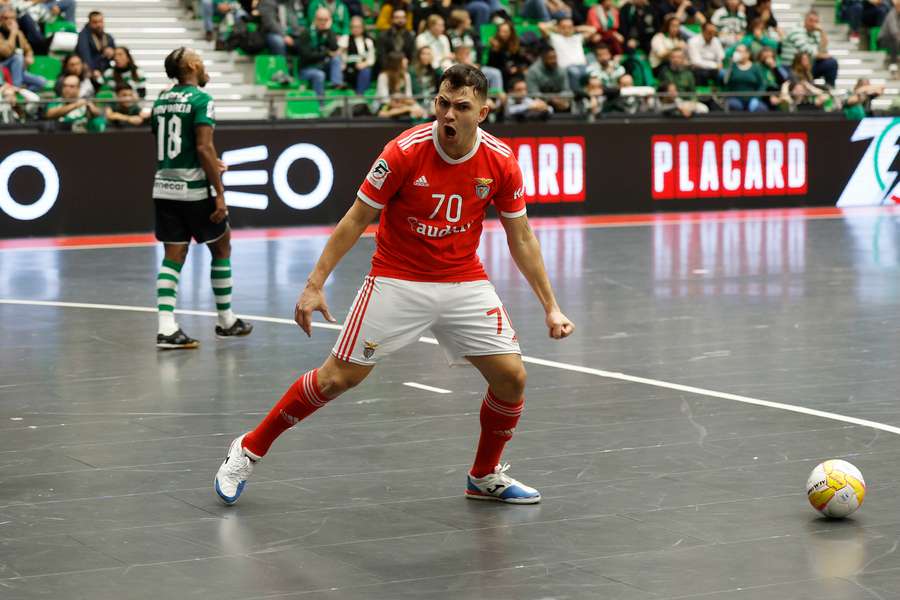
(236, 469)
(500, 487)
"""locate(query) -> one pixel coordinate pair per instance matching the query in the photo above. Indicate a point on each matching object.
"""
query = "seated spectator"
(810, 38)
(668, 38)
(744, 76)
(73, 65)
(208, 8)
(28, 25)
(627, 98)
(463, 55)
(801, 68)
(604, 18)
(16, 53)
(684, 10)
(319, 54)
(95, 46)
(506, 54)
(757, 38)
(340, 14)
(637, 25)
(124, 72)
(126, 112)
(676, 71)
(731, 21)
(277, 39)
(73, 111)
(775, 75)
(394, 90)
(482, 10)
(545, 77)
(434, 37)
(706, 54)
(545, 10)
(763, 10)
(594, 97)
(670, 103)
(863, 13)
(859, 103)
(461, 32)
(568, 41)
(521, 107)
(423, 74)
(605, 67)
(385, 18)
(359, 56)
(422, 9)
(396, 39)
(889, 38)
(11, 112)
(801, 96)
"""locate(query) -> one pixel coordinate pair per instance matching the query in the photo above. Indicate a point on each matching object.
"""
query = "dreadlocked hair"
(173, 63)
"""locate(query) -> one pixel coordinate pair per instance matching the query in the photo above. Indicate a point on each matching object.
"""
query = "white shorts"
(467, 319)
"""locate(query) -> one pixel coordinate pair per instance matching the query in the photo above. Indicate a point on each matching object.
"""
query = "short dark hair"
(173, 63)
(460, 76)
(122, 87)
(94, 13)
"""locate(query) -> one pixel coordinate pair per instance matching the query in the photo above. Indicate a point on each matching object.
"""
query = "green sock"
(221, 285)
(166, 292)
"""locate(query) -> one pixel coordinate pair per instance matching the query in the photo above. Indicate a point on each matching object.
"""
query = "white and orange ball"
(836, 488)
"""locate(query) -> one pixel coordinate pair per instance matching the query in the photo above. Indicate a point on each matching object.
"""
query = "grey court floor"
(109, 447)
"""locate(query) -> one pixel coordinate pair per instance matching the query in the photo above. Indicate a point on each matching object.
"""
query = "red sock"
(299, 401)
(498, 420)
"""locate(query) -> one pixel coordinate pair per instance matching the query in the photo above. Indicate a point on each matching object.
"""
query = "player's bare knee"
(176, 252)
(511, 387)
(335, 379)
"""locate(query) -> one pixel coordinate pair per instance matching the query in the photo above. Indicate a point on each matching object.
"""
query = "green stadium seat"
(267, 65)
(47, 67)
(526, 26)
(106, 95)
(334, 100)
(302, 105)
(60, 25)
(694, 27)
(486, 32)
(873, 40)
(837, 12)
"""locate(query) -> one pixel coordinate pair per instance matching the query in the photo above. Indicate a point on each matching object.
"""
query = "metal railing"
(629, 102)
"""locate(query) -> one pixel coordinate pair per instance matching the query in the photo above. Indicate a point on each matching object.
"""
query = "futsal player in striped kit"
(432, 186)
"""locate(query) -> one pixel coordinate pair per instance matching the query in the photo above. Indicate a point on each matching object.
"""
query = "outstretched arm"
(339, 243)
(526, 252)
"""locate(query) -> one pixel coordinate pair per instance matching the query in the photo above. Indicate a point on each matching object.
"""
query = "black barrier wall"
(289, 175)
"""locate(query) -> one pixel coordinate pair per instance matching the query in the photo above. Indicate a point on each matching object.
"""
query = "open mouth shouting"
(450, 132)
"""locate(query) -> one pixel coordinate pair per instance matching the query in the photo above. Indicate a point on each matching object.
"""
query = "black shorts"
(177, 221)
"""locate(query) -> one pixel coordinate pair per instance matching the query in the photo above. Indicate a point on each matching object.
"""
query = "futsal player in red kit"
(432, 185)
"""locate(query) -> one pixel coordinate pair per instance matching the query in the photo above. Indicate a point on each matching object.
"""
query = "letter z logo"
(379, 173)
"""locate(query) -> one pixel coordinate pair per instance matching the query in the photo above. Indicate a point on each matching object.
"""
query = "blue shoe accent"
(230, 499)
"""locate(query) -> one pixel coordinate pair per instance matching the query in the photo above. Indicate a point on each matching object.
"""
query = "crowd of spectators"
(556, 57)
(672, 57)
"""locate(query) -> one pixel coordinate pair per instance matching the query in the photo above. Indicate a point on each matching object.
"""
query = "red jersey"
(433, 206)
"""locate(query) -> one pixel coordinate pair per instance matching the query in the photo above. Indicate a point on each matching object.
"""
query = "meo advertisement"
(290, 174)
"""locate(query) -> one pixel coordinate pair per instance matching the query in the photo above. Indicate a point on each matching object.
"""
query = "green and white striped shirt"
(800, 40)
(176, 114)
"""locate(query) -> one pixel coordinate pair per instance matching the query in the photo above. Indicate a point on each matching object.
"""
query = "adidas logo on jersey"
(421, 182)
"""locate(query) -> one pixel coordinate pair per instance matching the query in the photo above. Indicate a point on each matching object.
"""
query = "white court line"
(427, 388)
(528, 359)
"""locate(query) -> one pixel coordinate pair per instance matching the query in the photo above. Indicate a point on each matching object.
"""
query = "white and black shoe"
(236, 469)
(176, 341)
(239, 328)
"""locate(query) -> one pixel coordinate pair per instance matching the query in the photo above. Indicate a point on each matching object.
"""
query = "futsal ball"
(836, 488)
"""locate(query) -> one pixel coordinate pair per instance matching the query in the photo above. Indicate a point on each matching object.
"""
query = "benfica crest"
(369, 349)
(483, 187)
